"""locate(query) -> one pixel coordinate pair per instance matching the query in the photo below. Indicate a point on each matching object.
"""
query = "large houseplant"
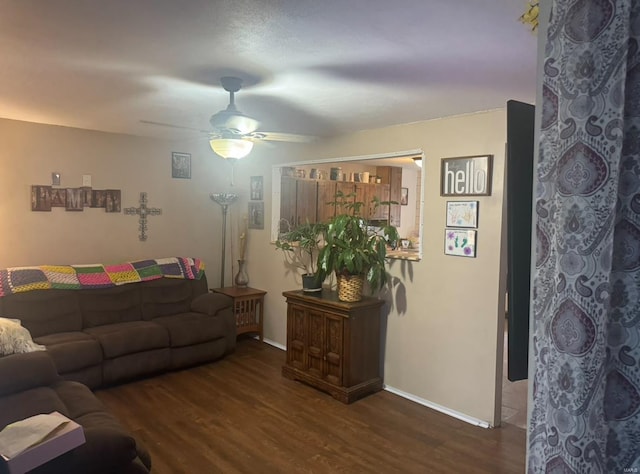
(301, 246)
(353, 250)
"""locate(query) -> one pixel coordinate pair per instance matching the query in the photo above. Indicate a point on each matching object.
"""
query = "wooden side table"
(248, 307)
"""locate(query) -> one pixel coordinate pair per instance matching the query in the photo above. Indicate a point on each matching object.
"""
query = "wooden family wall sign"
(466, 176)
(44, 198)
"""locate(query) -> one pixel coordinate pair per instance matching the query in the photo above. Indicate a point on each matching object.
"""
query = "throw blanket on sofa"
(75, 277)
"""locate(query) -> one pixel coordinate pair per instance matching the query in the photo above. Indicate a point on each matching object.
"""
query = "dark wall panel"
(520, 133)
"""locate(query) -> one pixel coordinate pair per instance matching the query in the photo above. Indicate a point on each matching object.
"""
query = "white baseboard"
(440, 408)
(274, 344)
(413, 398)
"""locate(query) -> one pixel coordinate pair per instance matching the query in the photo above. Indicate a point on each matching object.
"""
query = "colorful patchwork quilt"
(76, 277)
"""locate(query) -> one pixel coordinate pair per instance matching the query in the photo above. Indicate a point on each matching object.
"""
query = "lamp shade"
(231, 147)
(418, 161)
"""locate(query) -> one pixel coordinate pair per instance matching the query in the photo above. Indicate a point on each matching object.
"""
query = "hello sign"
(466, 176)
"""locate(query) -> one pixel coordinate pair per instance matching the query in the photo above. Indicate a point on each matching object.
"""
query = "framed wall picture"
(40, 198)
(404, 196)
(112, 200)
(460, 243)
(462, 214)
(58, 197)
(256, 215)
(257, 188)
(98, 197)
(180, 165)
(75, 199)
(466, 176)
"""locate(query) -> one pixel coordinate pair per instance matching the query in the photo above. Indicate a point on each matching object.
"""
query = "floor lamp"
(225, 200)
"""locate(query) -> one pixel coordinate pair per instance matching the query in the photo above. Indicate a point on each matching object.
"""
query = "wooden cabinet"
(303, 200)
(332, 345)
(326, 195)
(298, 200)
(380, 191)
(392, 175)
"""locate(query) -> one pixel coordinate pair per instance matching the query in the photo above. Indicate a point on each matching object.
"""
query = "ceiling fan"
(234, 133)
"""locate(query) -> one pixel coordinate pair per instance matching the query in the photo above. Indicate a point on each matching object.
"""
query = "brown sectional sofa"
(110, 335)
(100, 337)
(29, 385)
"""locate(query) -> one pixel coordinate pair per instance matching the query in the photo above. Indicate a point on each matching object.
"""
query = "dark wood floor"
(239, 415)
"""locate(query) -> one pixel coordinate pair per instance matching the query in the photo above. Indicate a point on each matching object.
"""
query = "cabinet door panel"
(296, 337)
(381, 191)
(326, 196)
(333, 330)
(315, 342)
(287, 203)
(306, 201)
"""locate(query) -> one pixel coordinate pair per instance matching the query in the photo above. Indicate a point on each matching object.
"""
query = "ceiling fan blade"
(282, 137)
(170, 125)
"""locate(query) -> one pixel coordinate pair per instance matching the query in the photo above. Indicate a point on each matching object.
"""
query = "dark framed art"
(256, 215)
(466, 176)
(257, 188)
(181, 165)
(404, 196)
(40, 198)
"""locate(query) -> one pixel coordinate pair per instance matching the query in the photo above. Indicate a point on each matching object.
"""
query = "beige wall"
(189, 224)
(443, 315)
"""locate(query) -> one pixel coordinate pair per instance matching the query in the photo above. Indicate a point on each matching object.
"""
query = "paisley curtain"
(584, 415)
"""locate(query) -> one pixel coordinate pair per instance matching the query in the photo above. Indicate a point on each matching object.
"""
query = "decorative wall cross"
(143, 211)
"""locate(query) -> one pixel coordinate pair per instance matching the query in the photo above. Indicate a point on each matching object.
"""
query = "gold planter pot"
(350, 288)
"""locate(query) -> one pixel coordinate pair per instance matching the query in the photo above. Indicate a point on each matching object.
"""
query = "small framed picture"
(75, 199)
(58, 197)
(256, 215)
(460, 243)
(257, 189)
(404, 196)
(98, 197)
(181, 165)
(112, 201)
(40, 198)
(87, 196)
(462, 214)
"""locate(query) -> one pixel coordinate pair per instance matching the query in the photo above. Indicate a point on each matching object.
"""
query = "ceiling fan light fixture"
(418, 161)
(231, 147)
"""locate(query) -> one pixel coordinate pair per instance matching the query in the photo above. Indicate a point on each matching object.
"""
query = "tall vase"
(242, 279)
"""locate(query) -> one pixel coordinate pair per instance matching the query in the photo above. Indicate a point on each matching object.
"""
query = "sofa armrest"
(211, 303)
(217, 304)
(19, 372)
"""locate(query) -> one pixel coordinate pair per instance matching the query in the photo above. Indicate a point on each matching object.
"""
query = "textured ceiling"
(316, 67)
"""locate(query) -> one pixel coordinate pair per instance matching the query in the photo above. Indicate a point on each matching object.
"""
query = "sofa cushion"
(165, 297)
(20, 372)
(136, 365)
(72, 351)
(110, 305)
(79, 400)
(211, 303)
(128, 338)
(191, 328)
(43, 311)
(108, 449)
(33, 401)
